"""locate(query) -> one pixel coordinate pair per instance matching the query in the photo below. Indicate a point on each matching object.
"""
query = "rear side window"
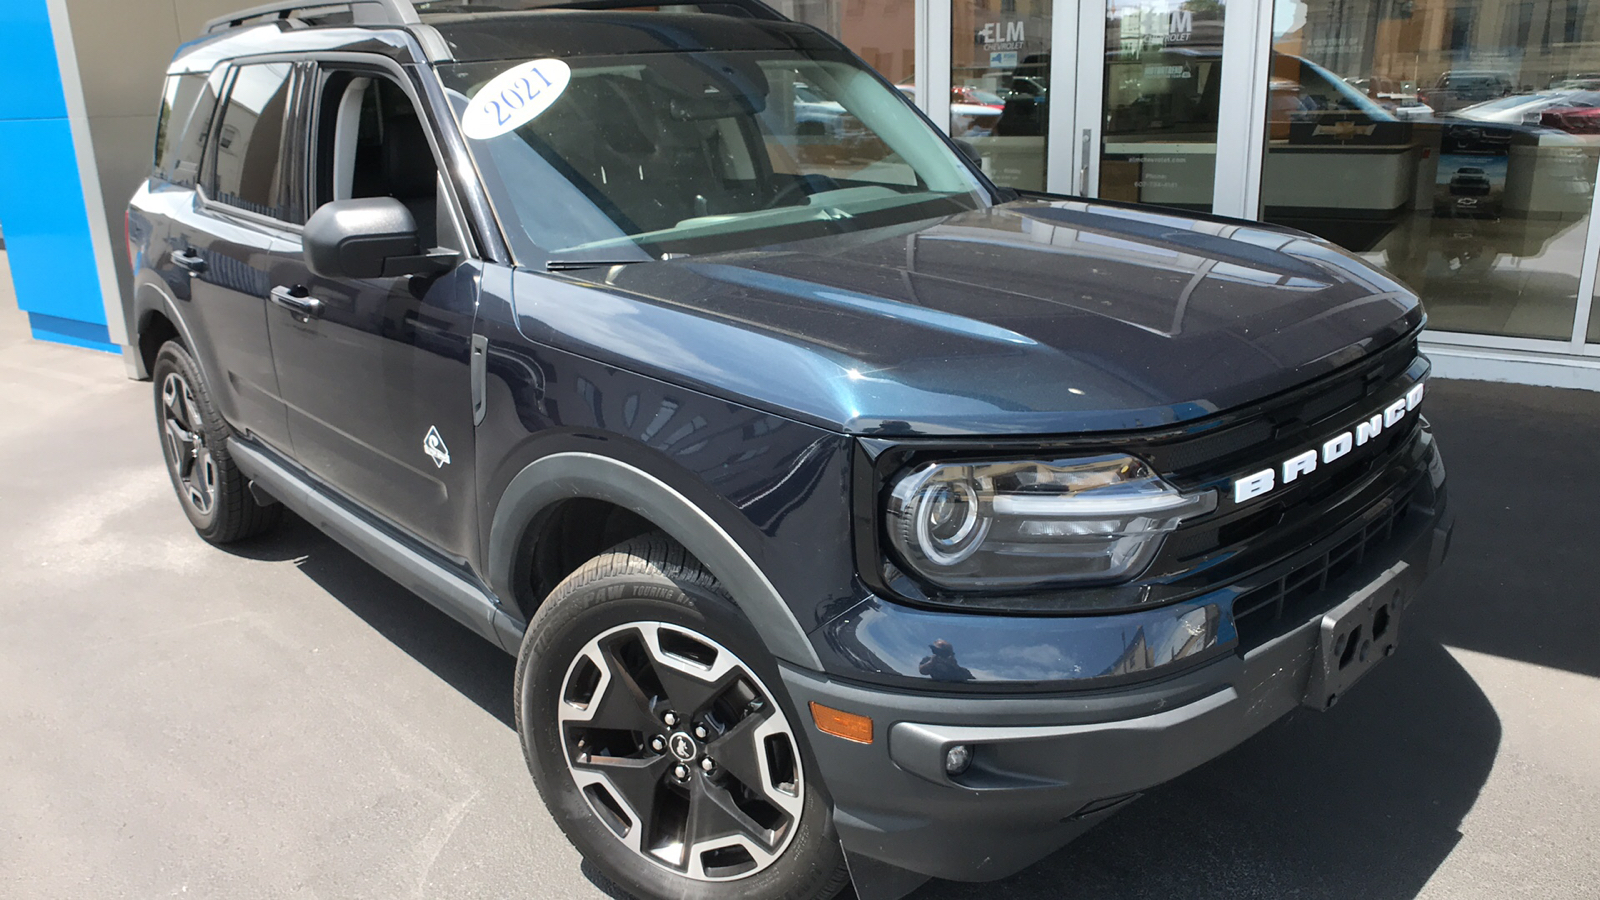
(184, 122)
(248, 168)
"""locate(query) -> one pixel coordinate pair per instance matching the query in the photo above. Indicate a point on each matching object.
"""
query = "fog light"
(957, 759)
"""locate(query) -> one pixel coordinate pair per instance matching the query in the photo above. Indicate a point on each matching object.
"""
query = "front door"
(376, 375)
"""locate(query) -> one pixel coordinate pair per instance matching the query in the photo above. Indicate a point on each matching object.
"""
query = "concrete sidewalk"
(278, 720)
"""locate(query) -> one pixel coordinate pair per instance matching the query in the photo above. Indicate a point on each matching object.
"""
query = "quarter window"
(249, 159)
(186, 108)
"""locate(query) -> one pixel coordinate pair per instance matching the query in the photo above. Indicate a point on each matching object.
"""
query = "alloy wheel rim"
(681, 752)
(183, 433)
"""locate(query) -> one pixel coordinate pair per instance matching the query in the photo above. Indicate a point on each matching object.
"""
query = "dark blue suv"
(852, 518)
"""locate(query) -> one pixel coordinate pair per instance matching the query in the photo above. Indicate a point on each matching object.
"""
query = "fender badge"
(433, 445)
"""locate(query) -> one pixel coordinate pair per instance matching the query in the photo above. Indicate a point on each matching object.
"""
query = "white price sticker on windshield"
(514, 98)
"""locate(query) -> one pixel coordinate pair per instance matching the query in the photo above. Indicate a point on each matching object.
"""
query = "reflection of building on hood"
(942, 665)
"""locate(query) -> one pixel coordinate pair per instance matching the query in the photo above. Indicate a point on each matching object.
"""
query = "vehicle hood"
(1032, 317)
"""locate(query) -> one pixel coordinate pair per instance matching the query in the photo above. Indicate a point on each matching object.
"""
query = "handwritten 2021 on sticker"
(514, 98)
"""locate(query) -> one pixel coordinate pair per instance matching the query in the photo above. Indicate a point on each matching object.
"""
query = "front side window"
(248, 171)
(646, 155)
(370, 142)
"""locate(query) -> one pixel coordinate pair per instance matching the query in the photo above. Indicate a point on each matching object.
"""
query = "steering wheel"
(805, 184)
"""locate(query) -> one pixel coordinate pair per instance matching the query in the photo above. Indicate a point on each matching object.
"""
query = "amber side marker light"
(839, 723)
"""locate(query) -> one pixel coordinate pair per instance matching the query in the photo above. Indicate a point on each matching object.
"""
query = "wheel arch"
(548, 485)
(156, 320)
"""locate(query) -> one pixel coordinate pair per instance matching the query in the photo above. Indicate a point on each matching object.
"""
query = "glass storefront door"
(1159, 101)
(1148, 112)
(1000, 58)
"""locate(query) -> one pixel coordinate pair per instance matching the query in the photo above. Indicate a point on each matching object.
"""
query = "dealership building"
(1454, 143)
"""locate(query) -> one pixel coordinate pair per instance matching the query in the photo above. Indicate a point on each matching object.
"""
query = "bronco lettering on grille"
(1266, 481)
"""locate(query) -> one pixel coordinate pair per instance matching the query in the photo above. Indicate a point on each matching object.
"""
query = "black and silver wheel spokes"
(681, 751)
(183, 432)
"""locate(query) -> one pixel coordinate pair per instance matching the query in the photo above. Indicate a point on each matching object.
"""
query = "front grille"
(1206, 538)
(1273, 609)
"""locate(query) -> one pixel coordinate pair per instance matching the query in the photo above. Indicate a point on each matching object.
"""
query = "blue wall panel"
(47, 230)
(28, 63)
(42, 209)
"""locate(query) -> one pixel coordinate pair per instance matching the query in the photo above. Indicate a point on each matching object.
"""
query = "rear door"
(377, 379)
(225, 241)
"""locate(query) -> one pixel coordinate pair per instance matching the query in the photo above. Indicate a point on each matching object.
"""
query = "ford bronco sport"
(852, 518)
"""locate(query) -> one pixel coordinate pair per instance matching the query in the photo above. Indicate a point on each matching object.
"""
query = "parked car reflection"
(973, 111)
(1464, 87)
(1527, 109)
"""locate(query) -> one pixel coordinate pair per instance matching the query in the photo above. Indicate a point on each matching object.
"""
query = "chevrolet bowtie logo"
(1344, 131)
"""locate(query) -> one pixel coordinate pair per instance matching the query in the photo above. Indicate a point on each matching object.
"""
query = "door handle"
(188, 259)
(1083, 168)
(298, 303)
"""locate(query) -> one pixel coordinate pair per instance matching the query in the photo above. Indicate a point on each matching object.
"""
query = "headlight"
(1025, 524)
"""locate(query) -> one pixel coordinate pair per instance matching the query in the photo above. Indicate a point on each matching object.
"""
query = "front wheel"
(649, 722)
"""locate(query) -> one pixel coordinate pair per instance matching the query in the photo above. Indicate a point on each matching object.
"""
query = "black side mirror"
(372, 237)
(969, 150)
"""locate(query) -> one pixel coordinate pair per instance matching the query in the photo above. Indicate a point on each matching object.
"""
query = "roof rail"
(362, 12)
(755, 8)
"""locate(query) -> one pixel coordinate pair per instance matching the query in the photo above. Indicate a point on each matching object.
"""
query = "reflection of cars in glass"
(973, 111)
(1588, 81)
(1461, 87)
(1469, 181)
(966, 93)
(1398, 97)
(1526, 109)
(1572, 119)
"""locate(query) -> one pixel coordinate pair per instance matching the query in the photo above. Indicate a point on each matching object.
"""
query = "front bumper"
(1047, 767)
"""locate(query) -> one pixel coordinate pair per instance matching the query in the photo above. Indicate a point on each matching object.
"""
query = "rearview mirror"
(371, 237)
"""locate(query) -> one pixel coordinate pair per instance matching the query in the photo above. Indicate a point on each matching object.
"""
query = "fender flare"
(572, 475)
(150, 297)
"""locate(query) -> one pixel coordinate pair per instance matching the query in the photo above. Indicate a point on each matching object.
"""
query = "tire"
(738, 794)
(214, 494)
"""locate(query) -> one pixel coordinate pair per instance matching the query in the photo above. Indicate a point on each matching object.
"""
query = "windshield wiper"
(568, 265)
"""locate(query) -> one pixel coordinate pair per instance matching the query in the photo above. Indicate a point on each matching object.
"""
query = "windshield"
(652, 155)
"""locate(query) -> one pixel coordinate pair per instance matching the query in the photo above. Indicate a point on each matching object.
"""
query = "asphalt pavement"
(279, 720)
